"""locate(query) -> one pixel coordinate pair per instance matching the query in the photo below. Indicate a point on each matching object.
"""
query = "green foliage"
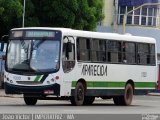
(10, 12)
(89, 13)
(77, 14)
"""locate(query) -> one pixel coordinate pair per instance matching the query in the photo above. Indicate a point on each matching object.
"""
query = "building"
(142, 22)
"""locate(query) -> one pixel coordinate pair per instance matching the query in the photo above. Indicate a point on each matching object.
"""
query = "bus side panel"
(113, 83)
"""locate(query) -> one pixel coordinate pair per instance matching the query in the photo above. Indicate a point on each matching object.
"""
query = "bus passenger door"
(68, 63)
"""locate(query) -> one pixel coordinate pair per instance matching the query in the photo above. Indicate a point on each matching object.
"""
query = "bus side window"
(138, 58)
(83, 49)
(78, 49)
(152, 54)
(68, 56)
(143, 52)
(129, 52)
(114, 51)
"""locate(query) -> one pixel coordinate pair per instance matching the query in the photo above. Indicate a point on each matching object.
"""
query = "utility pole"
(24, 7)
(115, 15)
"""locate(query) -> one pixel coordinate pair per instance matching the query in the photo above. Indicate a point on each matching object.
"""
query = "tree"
(31, 17)
(10, 15)
(77, 14)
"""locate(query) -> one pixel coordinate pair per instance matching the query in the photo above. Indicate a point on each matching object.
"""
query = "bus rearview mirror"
(69, 47)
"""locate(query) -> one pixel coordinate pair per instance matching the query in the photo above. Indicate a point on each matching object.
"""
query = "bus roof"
(100, 35)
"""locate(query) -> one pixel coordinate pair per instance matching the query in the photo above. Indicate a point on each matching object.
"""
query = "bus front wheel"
(126, 99)
(79, 95)
(30, 100)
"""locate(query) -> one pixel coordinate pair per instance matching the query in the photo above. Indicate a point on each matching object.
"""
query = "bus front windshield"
(38, 56)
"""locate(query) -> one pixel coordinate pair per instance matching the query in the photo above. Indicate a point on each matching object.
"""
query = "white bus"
(79, 65)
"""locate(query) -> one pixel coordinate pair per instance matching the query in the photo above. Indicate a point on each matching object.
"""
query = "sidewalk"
(156, 93)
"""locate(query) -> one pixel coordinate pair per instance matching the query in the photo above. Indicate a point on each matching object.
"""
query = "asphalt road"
(140, 105)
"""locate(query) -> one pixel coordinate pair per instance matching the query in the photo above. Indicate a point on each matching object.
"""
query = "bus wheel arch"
(128, 93)
(126, 98)
(130, 81)
(79, 93)
(83, 82)
(88, 100)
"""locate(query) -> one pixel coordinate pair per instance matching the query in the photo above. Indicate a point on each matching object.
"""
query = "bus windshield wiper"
(39, 43)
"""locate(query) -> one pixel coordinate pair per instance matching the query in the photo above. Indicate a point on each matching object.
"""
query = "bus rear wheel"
(30, 100)
(79, 95)
(126, 99)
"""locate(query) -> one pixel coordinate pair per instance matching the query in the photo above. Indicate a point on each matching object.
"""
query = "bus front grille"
(29, 82)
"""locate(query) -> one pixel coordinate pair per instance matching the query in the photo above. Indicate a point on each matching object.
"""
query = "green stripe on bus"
(145, 84)
(116, 84)
(37, 78)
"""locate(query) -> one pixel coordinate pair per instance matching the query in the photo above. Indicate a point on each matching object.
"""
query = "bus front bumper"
(53, 89)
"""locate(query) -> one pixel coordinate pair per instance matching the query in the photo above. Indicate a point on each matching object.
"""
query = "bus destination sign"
(40, 34)
(32, 33)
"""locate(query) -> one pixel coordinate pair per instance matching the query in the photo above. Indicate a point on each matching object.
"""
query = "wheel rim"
(80, 94)
(129, 95)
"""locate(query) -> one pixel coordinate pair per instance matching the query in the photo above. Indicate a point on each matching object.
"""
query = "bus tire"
(126, 99)
(79, 95)
(30, 100)
(88, 100)
(118, 100)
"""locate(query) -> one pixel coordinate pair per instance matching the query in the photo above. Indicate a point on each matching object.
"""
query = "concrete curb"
(154, 94)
